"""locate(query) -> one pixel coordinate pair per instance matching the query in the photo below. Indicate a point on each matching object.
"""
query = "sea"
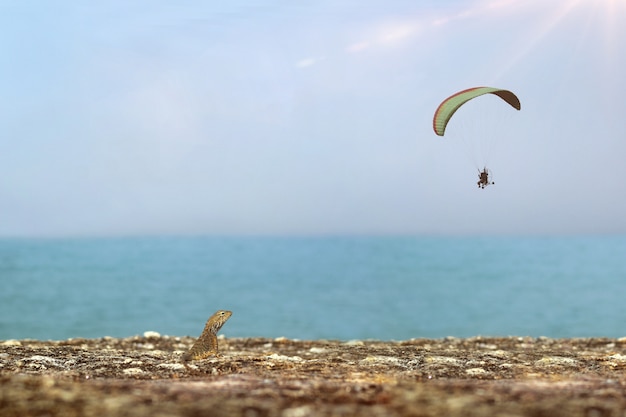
(335, 288)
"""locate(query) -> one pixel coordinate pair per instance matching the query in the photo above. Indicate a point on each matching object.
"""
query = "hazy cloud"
(307, 62)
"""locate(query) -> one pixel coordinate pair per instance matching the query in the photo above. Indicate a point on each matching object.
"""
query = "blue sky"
(312, 117)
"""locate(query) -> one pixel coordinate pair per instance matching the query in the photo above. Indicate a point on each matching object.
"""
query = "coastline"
(478, 376)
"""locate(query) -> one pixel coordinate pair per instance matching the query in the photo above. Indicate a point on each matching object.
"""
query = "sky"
(253, 117)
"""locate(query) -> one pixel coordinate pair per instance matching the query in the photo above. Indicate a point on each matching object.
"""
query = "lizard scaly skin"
(206, 345)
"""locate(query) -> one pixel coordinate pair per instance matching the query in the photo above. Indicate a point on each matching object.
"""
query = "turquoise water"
(311, 288)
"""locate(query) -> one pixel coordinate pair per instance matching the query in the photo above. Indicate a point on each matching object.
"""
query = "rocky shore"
(143, 376)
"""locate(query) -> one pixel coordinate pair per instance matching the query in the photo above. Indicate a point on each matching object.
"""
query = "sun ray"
(531, 41)
(600, 31)
(614, 13)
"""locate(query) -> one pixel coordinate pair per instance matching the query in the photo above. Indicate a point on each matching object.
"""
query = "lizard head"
(218, 319)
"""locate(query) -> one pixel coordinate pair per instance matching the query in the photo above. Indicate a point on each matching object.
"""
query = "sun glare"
(603, 18)
(596, 21)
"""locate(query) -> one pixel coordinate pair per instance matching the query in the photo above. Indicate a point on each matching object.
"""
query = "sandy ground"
(143, 376)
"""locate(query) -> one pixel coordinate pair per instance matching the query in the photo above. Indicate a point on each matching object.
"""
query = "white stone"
(285, 358)
(147, 346)
(151, 333)
(382, 359)
(302, 411)
(172, 366)
(133, 371)
(44, 359)
(475, 371)
(317, 350)
(444, 360)
(558, 360)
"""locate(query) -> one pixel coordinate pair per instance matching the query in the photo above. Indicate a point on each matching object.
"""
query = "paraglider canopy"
(450, 105)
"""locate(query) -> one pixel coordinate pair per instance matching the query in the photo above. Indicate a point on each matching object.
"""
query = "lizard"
(206, 345)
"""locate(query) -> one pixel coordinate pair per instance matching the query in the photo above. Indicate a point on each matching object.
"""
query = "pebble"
(11, 342)
(172, 366)
(45, 359)
(557, 360)
(475, 371)
(147, 346)
(151, 334)
(382, 359)
(285, 358)
(444, 360)
(301, 411)
(488, 346)
(133, 371)
(498, 354)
